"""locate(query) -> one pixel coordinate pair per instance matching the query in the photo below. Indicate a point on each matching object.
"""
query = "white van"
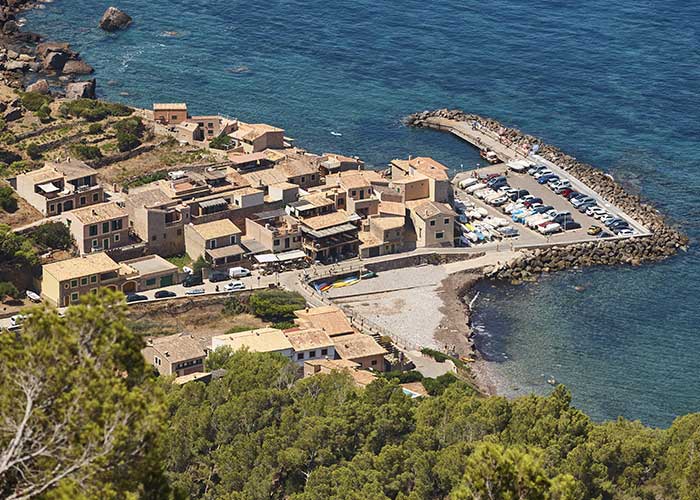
(238, 272)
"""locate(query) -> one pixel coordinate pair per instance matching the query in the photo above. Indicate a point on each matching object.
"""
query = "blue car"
(546, 178)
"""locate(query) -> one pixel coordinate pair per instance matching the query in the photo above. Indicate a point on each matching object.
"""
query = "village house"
(153, 271)
(385, 235)
(178, 355)
(99, 227)
(65, 281)
(330, 319)
(274, 231)
(433, 223)
(358, 193)
(362, 349)
(311, 205)
(331, 236)
(259, 340)
(410, 188)
(360, 377)
(439, 187)
(310, 343)
(333, 163)
(60, 187)
(217, 241)
(285, 192)
(169, 113)
(301, 169)
(158, 220)
(255, 137)
(245, 162)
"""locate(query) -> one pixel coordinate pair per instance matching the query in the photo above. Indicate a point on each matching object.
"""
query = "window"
(93, 291)
(439, 235)
(150, 282)
(353, 193)
(96, 197)
(211, 244)
(156, 360)
(52, 208)
(93, 278)
(74, 296)
(117, 224)
(324, 352)
(95, 243)
(233, 240)
(374, 362)
(83, 281)
(73, 283)
(447, 221)
(275, 242)
(174, 117)
(303, 179)
(154, 237)
(313, 177)
(116, 238)
(83, 200)
(93, 230)
(312, 354)
(432, 222)
(300, 355)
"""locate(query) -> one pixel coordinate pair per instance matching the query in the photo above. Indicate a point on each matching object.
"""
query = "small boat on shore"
(489, 156)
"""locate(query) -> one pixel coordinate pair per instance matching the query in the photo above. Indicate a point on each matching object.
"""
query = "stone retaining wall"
(664, 241)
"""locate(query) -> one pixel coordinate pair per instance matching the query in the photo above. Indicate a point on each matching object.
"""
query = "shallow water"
(613, 83)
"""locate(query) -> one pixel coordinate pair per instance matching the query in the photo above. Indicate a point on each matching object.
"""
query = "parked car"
(594, 230)
(16, 320)
(595, 211)
(578, 201)
(617, 226)
(614, 220)
(566, 192)
(543, 172)
(586, 205)
(164, 294)
(532, 201)
(549, 228)
(569, 225)
(573, 194)
(607, 218)
(195, 291)
(217, 276)
(234, 286)
(192, 280)
(546, 179)
(626, 232)
(536, 169)
(135, 297)
(499, 201)
(508, 232)
(519, 193)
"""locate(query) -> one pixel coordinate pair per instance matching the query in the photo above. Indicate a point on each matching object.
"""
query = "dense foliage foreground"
(82, 417)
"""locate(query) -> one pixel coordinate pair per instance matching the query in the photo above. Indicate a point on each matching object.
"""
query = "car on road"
(195, 291)
(234, 286)
(135, 297)
(594, 230)
(192, 280)
(217, 276)
(164, 294)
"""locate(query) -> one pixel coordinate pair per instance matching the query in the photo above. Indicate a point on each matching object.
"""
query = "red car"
(566, 192)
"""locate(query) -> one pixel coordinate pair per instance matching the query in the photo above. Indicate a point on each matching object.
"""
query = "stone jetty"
(663, 241)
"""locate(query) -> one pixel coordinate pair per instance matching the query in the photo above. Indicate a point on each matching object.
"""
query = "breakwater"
(663, 241)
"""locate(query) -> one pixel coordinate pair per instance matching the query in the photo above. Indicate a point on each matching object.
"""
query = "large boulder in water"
(81, 90)
(114, 19)
(74, 67)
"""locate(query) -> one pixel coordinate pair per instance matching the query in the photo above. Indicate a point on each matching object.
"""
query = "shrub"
(8, 138)
(85, 152)
(146, 179)
(127, 141)
(33, 151)
(129, 132)
(44, 113)
(233, 306)
(93, 110)
(404, 377)
(221, 142)
(3, 125)
(34, 101)
(236, 329)
(8, 202)
(276, 305)
(436, 386)
(55, 235)
(284, 325)
(200, 264)
(9, 157)
(8, 289)
(436, 355)
(95, 128)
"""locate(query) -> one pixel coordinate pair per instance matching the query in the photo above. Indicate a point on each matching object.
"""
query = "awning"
(291, 255)
(331, 231)
(49, 187)
(266, 258)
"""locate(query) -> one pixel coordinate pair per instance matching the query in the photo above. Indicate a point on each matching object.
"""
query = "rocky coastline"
(28, 62)
(663, 242)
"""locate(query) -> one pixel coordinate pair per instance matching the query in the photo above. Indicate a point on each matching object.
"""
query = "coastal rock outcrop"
(76, 67)
(81, 90)
(114, 19)
(40, 86)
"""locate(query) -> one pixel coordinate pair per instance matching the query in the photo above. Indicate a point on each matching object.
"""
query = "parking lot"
(530, 237)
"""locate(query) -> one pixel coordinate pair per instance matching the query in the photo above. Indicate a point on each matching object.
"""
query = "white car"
(626, 232)
(483, 193)
(195, 291)
(549, 228)
(559, 186)
(465, 183)
(595, 211)
(238, 272)
(539, 174)
(16, 320)
(234, 286)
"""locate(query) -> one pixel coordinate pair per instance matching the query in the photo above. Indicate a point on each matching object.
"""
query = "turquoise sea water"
(616, 84)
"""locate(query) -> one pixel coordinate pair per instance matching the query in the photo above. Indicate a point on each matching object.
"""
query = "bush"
(44, 113)
(8, 138)
(127, 141)
(92, 110)
(85, 152)
(95, 128)
(8, 202)
(404, 377)
(129, 132)
(233, 306)
(221, 142)
(436, 386)
(55, 235)
(436, 355)
(276, 305)
(34, 101)
(3, 125)
(9, 157)
(200, 264)
(284, 325)
(8, 289)
(146, 179)
(33, 151)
